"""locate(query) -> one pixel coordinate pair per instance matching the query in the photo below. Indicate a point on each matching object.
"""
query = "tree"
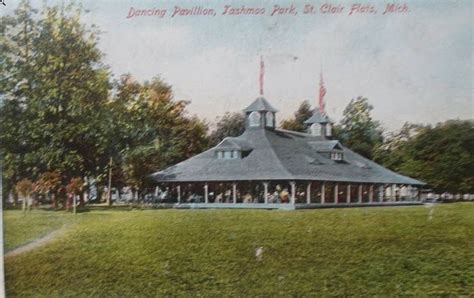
(303, 113)
(160, 133)
(53, 93)
(59, 116)
(390, 152)
(442, 155)
(48, 183)
(357, 130)
(16, 74)
(74, 188)
(229, 125)
(24, 187)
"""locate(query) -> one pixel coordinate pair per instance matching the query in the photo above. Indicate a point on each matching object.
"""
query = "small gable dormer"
(260, 114)
(232, 148)
(319, 124)
(330, 149)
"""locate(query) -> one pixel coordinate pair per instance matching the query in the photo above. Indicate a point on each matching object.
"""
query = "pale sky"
(415, 66)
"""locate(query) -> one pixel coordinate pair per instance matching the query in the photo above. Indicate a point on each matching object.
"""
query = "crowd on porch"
(279, 192)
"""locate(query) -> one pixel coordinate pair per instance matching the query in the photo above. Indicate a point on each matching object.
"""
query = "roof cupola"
(260, 114)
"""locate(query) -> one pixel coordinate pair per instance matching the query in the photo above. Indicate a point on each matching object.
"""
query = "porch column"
(371, 193)
(348, 194)
(234, 192)
(293, 190)
(323, 190)
(178, 189)
(393, 196)
(308, 193)
(336, 193)
(359, 195)
(206, 197)
(381, 193)
(265, 192)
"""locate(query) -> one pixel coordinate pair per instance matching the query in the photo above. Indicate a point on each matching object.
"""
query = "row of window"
(316, 129)
(254, 119)
(336, 155)
(234, 154)
(228, 154)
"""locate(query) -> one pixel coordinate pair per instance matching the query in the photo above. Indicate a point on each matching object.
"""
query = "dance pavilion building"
(267, 167)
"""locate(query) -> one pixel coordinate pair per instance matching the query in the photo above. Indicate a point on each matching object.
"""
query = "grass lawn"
(354, 251)
(21, 228)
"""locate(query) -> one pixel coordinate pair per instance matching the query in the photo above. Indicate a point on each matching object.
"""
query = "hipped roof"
(280, 155)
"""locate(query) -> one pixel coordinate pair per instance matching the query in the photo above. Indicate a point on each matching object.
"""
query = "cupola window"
(254, 119)
(328, 130)
(269, 119)
(316, 129)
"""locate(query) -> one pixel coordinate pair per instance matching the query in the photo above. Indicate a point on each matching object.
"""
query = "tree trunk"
(69, 198)
(109, 186)
(74, 203)
(81, 198)
(53, 199)
(15, 199)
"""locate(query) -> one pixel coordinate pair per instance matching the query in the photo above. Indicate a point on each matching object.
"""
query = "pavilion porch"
(286, 194)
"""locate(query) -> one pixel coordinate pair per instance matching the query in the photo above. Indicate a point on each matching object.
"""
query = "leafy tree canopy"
(229, 125)
(442, 155)
(296, 123)
(357, 130)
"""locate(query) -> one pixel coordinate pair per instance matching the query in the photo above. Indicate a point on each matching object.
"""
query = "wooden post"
(109, 185)
(178, 189)
(308, 193)
(293, 190)
(381, 193)
(206, 197)
(234, 192)
(265, 192)
(323, 190)
(359, 196)
(74, 204)
(336, 193)
(348, 194)
(393, 196)
(371, 193)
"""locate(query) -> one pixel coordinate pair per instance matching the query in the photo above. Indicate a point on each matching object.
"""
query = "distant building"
(267, 167)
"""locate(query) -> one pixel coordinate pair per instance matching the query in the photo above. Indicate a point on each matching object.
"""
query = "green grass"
(21, 228)
(359, 251)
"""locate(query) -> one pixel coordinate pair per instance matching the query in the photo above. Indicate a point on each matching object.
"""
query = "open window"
(337, 155)
(254, 119)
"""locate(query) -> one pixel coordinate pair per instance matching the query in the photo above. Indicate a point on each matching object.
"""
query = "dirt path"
(37, 242)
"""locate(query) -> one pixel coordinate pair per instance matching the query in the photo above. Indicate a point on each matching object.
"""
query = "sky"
(414, 66)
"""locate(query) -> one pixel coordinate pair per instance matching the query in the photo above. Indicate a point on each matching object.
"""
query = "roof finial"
(322, 92)
(262, 73)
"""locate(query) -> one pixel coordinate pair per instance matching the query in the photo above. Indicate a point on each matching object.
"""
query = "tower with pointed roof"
(260, 114)
(320, 125)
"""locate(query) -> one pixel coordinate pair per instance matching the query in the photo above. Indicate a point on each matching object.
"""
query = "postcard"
(236, 148)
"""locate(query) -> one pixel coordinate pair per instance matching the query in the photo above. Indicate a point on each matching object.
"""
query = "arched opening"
(254, 119)
(316, 129)
(328, 129)
(269, 118)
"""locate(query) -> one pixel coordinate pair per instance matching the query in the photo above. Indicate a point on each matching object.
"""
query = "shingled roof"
(318, 117)
(277, 154)
(260, 104)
